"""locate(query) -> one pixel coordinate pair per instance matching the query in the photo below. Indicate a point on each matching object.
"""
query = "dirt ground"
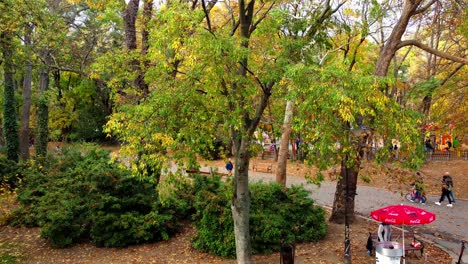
(24, 245)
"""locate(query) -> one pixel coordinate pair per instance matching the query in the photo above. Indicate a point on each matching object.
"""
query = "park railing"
(446, 155)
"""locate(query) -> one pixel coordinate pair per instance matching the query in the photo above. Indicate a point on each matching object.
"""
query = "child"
(229, 167)
(369, 245)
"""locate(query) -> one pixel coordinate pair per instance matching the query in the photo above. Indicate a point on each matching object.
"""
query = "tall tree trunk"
(130, 15)
(147, 15)
(284, 148)
(241, 202)
(339, 204)
(348, 180)
(242, 140)
(43, 109)
(26, 108)
(10, 116)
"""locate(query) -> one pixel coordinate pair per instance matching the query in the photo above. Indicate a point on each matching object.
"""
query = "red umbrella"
(403, 215)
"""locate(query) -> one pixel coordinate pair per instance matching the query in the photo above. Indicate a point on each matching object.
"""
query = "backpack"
(229, 166)
(449, 181)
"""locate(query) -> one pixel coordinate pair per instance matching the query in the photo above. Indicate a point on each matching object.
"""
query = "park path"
(447, 231)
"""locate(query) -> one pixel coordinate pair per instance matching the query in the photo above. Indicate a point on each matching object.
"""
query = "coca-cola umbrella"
(403, 215)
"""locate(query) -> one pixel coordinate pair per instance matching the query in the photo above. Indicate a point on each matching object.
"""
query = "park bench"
(211, 172)
(410, 238)
(262, 166)
(268, 154)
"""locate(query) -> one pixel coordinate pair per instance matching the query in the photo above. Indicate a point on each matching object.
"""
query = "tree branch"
(338, 7)
(451, 74)
(255, 77)
(438, 53)
(208, 22)
(206, 10)
(424, 8)
(254, 26)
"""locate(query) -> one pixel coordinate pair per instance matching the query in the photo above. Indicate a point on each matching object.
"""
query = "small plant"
(9, 174)
(365, 178)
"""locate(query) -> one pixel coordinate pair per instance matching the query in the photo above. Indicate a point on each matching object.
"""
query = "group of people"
(418, 190)
(447, 190)
(447, 145)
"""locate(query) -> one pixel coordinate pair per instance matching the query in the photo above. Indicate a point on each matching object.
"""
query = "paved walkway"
(447, 231)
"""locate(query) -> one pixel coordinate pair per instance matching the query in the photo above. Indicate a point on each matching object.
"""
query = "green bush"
(87, 196)
(213, 217)
(9, 173)
(277, 216)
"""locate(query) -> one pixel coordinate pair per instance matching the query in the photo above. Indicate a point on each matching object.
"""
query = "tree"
(9, 25)
(130, 19)
(392, 44)
(27, 90)
(394, 41)
(305, 22)
(10, 116)
(433, 77)
(212, 76)
(42, 137)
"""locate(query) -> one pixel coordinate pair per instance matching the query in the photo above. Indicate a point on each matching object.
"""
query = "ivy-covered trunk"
(241, 202)
(43, 111)
(10, 118)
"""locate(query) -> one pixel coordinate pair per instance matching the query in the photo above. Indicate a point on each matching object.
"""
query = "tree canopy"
(174, 80)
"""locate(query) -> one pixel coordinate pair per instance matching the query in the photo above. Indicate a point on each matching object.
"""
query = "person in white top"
(384, 232)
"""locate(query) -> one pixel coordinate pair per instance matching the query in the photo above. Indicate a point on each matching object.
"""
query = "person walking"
(449, 183)
(445, 192)
(229, 167)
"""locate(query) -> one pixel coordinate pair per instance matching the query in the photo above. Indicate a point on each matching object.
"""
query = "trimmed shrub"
(87, 196)
(213, 217)
(9, 177)
(278, 216)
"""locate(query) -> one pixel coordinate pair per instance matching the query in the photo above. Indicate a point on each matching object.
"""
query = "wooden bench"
(211, 172)
(259, 166)
(398, 236)
(268, 154)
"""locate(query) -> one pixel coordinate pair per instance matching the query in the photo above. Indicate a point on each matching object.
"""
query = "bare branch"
(255, 77)
(338, 7)
(425, 7)
(451, 74)
(438, 53)
(207, 16)
(254, 26)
